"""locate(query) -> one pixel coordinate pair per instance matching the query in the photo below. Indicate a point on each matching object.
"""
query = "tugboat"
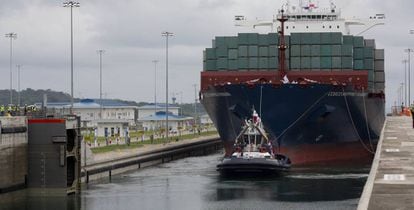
(253, 152)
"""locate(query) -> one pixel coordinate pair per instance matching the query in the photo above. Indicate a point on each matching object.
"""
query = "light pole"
(71, 4)
(18, 84)
(195, 106)
(100, 52)
(405, 61)
(166, 34)
(155, 85)
(11, 36)
(155, 96)
(409, 50)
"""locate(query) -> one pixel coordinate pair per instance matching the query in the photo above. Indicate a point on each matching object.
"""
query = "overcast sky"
(130, 33)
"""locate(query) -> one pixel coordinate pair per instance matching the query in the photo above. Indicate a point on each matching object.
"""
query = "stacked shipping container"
(306, 52)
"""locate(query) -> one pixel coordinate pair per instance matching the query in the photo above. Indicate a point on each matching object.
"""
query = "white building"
(116, 117)
(148, 110)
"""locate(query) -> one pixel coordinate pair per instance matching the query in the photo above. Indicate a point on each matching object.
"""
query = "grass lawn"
(136, 144)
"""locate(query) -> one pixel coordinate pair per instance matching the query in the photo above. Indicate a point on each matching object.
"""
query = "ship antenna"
(282, 45)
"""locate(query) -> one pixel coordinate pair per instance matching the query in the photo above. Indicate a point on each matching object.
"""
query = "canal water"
(193, 183)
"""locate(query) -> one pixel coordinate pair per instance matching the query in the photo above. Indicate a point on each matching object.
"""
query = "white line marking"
(394, 177)
(392, 150)
(391, 137)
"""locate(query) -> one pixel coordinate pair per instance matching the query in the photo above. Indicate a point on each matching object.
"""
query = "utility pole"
(409, 50)
(71, 4)
(11, 36)
(166, 34)
(100, 52)
(195, 106)
(155, 97)
(18, 85)
(405, 61)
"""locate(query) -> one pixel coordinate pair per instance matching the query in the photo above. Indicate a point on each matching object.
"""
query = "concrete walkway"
(390, 184)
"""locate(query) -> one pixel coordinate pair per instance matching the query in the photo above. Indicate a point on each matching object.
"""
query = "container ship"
(319, 88)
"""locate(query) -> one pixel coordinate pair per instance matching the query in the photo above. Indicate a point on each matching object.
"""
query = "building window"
(337, 26)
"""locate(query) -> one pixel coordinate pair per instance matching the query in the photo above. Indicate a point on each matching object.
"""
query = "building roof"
(159, 106)
(161, 116)
(88, 103)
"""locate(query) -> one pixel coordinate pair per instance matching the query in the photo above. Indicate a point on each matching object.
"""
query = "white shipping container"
(369, 43)
(379, 54)
(379, 65)
(379, 76)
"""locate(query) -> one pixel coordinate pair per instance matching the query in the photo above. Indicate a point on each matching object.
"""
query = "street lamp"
(155, 96)
(166, 34)
(100, 52)
(11, 36)
(409, 50)
(405, 61)
(195, 105)
(71, 4)
(18, 84)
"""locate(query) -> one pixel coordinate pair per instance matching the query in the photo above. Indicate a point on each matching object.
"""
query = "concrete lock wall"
(13, 153)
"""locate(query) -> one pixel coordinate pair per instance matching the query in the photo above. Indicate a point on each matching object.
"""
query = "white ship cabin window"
(293, 27)
(307, 26)
(337, 26)
(330, 26)
(323, 26)
(287, 27)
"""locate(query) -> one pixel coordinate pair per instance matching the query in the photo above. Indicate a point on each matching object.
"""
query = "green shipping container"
(295, 50)
(315, 50)
(210, 53)
(326, 63)
(336, 38)
(305, 62)
(295, 38)
(211, 65)
(221, 41)
(358, 64)
(253, 63)
(326, 38)
(358, 53)
(232, 42)
(243, 51)
(263, 63)
(222, 63)
(273, 51)
(253, 51)
(253, 39)
(263, 40)
(305, 50)
(233, 64)
(369, 64)
(295, 62)
(358, 41)
(348, 40)
(306, 39)
(368, 52)
(336, 62)
(316, 38)
(287, 53)
(273, 63)
(243, 63)
(233, 53)
(243, 38)
(315, 62)
(347, 50)
(221, 52)
(336, 50)
(326, 50)
(263, 51)
(273, 38)
(347, 63)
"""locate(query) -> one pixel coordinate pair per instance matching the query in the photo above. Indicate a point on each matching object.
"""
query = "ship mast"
(282, 45)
